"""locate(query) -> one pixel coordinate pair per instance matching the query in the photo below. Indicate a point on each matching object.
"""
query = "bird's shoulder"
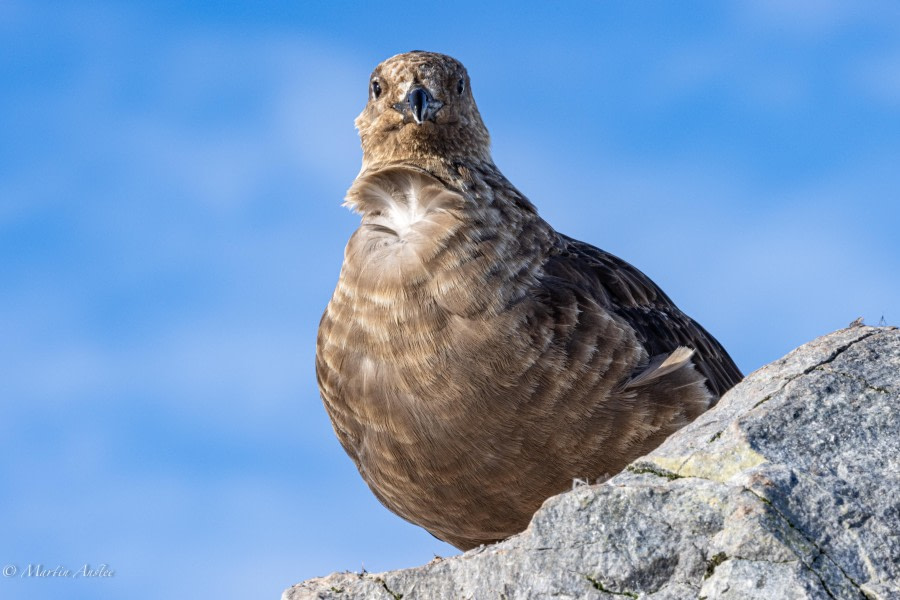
(615, 282)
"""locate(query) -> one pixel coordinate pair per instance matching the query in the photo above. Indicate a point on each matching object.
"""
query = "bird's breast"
(430, 304)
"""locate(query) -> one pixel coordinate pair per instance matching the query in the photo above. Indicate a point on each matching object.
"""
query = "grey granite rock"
(788, 488)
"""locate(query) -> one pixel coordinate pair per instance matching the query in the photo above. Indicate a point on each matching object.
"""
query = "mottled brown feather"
(474, 361)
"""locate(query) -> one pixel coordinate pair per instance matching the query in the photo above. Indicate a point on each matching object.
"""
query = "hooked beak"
(420, 104)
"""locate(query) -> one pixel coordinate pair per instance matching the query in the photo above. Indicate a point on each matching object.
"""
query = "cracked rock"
(788, 488)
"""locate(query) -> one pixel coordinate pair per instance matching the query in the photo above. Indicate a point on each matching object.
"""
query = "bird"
(473, 361)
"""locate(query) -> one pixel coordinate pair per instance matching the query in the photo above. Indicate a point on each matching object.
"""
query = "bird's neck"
(455, 172)
(429, 144)
(478, 179)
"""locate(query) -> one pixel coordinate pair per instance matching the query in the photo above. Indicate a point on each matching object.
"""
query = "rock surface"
(788, 488)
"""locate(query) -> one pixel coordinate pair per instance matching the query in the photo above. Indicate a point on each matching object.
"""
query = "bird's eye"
(376, 89)
(460, 86)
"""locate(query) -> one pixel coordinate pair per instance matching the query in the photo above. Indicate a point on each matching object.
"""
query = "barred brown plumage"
(473, 360)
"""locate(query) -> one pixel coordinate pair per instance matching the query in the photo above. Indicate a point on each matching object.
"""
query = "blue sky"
(171, 176)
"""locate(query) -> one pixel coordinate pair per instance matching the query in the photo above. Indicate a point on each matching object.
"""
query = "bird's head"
(421, 107)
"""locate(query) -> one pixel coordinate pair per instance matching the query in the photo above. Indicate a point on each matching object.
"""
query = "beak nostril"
(418, 100)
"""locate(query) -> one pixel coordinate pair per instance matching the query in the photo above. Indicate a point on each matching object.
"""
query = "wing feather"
(658, 323)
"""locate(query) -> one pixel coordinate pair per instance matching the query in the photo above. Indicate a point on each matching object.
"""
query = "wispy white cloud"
(879, 78)
(810, 19)
(294, 98)
(163, 161)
